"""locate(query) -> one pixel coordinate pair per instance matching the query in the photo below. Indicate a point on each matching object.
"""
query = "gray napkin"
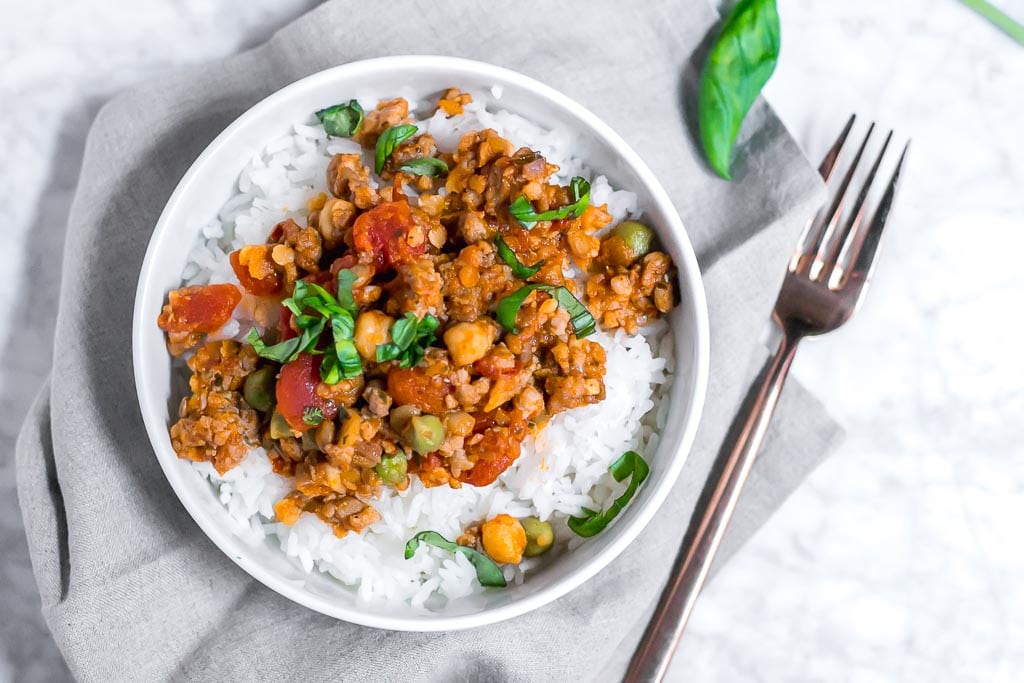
(132, 589)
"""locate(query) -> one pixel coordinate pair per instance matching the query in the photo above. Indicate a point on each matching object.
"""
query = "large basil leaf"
(739, 64)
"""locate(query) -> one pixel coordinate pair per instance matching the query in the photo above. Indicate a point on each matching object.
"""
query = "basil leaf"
(629, 464)
(346, 300)
(428, 166)
(512, 261)
(389, 139)
(488, 573)
(409, 340)
(997, 18)
(426, 326)
(508, 308)
(283, 352)
(342, 120)
(342, 326)
(522, 210)
(330, 369)
(312, 415)
(583, 323)
(403, 331)
(739, 64)
(349, 362)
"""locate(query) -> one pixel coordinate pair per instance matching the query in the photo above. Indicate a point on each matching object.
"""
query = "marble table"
(901, 557)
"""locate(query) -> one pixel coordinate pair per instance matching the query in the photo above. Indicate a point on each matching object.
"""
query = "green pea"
(539, 536)
(393, 469)
(259, 388)
(424, 433)
(636, 236)
(400, 416)
(279, 427)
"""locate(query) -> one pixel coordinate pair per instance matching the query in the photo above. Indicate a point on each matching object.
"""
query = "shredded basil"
(409, 340)
(341, 359)
(312, 415)
(583, 323)
(488, 573)
(629, 464)
(342, 120)
(346, 278)
(389, 139)
(522, 210)
(428, 166)
(512, 261)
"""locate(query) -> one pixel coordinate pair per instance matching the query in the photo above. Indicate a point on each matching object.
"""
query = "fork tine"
(825, 171)
(860, 251)
(849, 231)
(829, 221)
(829, 162)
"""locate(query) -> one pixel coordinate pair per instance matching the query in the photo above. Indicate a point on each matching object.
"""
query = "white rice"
(564, 470)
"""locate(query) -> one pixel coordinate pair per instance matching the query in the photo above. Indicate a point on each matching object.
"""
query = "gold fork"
(825, 283)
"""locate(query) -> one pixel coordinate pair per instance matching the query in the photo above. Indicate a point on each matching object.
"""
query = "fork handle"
(708, 524)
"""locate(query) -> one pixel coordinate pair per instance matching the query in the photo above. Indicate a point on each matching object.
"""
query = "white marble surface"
(901, 557)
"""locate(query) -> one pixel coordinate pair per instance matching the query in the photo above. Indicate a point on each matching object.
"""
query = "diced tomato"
(495, 453)
(265, 286)
(200, 308)
(296, 392)
(390, 233)
(284, 324)
(415, 387)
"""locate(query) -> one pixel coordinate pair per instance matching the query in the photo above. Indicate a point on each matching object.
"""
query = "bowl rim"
(626, 532)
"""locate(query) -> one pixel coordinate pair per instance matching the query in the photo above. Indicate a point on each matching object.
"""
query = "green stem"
(998, 18)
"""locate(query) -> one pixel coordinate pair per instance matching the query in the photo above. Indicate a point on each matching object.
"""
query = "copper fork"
(825, 283)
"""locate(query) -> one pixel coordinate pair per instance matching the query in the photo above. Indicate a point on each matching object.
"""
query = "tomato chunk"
(495, 453)
(199, 308)
(414, 387)
(390, 233)
(254, 268)
(296, 392)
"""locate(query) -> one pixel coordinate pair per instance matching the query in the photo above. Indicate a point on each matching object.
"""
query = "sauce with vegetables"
(419, 325)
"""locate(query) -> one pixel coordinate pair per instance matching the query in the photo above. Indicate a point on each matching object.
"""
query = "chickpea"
(469, 342)
(372, 329)
(504, 539)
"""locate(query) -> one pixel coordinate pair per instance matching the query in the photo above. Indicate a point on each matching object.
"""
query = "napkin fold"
(132, 589)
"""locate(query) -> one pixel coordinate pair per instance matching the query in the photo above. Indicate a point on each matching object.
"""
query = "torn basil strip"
(388, 140)
(629, 464)
(488, 573)
(583, 323)
(519, 269)
(342, 120)
(579, 189)
(428, 166)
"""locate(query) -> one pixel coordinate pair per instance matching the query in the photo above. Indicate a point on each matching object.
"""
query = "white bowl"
(212, 180)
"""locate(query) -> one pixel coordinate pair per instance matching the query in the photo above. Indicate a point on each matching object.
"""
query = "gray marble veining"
(901, 558)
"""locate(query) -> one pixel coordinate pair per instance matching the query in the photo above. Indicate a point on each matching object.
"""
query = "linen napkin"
(132, 589)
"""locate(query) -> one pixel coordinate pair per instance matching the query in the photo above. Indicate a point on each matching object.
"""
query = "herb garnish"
(409, 340)
(520, 270)
(522, 210)
(341, 359)
(629, 464)
(389, 139)
(428, 166)
(312, 415)
(583, 323)
(487, 572)
(342, 120)
(739, 64)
